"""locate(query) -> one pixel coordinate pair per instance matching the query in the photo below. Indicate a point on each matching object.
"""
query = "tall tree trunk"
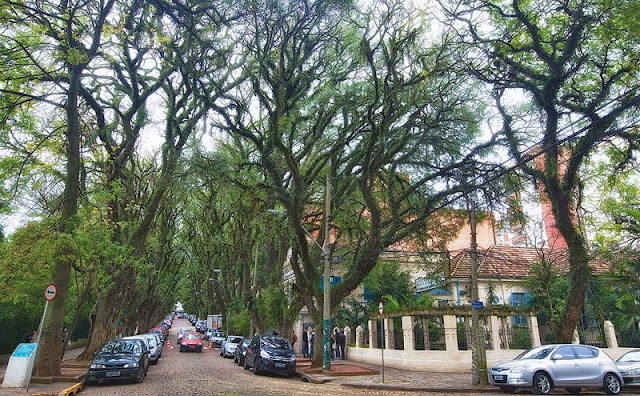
(51, 350)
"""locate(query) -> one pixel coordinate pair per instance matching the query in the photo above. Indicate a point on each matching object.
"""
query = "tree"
(330, 91)
(575, 66)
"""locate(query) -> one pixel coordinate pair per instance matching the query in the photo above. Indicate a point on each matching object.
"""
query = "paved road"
(208, 373)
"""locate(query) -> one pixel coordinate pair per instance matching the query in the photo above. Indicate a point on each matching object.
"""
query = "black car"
(241, 351)
(270, 354)
(120, 360)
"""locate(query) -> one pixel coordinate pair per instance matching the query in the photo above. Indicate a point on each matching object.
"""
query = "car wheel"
(508, 389)
(154, 362)
(141, 376)
(612, 384)
(256, 369)
(235, 359)
(246, 365)
(542, 383)
(574, 391)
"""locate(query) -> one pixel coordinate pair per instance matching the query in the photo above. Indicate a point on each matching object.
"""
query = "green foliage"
(352, 313)
(238, 318)
(390, 282)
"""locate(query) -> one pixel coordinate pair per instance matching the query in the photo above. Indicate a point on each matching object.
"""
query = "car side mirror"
(557, 356)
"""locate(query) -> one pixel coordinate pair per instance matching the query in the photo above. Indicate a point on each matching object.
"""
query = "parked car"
(272, 354)
(119, 360)
(191, 341)
(241, 351)
(558, 366)
(217, 337)
(151, 343)
(158, 331)
(182, 331)
(229, 345)
(208, 333)
(629, 366)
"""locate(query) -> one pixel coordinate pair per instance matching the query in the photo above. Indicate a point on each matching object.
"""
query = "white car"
(152, 345)
(229, 345)
(568, 366)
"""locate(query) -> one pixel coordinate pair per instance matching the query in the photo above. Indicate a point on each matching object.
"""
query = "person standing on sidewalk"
(341, 340)
(305, 343)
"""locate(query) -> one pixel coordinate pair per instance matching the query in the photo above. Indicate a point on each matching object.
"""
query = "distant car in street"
(629, 366)
(229, 345)
(241, 351)
(191, 341)
(270, 354)
(208, 333)
(119, 360)
(568, 366)
(217, 338)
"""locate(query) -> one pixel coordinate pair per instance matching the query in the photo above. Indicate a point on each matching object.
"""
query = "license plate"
(112, 374)
(499, 377)
(279, 364)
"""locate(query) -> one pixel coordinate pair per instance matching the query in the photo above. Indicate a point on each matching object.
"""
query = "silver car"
(629, 366)
(228, 347)
(563, 366)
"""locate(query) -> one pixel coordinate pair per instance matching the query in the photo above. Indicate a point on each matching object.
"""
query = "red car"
(191, 341)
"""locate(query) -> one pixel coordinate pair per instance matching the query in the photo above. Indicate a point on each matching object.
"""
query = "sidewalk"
(395, 380)
(53, 388)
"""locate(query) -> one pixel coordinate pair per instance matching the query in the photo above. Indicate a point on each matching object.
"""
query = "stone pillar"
(388, 334)
(347, 341)
(495, 326)
(535, 331)
(359, 336)
(576, 337)
(373, 334)
(610, 334)
(450, 333)
(407, 333)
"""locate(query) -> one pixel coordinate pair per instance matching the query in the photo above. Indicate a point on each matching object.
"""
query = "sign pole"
(381, 310)
(50, 293)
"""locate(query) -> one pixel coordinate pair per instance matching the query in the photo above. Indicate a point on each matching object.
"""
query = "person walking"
(335, 353)
(294, 338)
(341, 341)
(305, 342)
(312, 338)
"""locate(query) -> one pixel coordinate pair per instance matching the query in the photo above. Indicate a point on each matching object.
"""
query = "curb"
(421, 389)
(72, 390)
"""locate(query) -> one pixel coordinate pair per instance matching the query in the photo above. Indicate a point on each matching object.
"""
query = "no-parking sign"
(50, 292)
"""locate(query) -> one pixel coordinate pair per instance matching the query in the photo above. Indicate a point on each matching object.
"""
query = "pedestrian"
(335, 353)
(65, 332)
(294, 338)
(341, 341)
(305, 342)
(33, 337)
(311, 339)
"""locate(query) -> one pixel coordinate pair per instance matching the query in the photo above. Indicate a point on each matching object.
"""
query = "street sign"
(50, 292)
(380, 308)
(477, 304)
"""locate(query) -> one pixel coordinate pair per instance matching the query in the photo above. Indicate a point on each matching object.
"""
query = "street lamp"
(326, 311)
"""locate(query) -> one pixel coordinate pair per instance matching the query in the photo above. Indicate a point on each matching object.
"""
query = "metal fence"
(628, 338)
(465, 339)
(430, 340)
(593, 335)
(515, 338)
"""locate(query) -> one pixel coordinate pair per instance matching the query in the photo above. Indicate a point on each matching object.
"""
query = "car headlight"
(632, 372)
(518, 369)
(131, 365)
(293, 358)
(264, 354)
(97, 366)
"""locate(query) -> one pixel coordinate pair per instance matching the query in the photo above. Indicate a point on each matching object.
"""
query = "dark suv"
(270, 354)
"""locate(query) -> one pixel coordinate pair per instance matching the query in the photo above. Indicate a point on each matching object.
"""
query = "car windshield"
(121, 347)
(246, 341)
(273, 342)
(540, 352)
(633, 356)
(234, 340)
(192, 336)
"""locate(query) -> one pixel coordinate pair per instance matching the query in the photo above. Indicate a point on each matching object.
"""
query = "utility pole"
(478, 353)
(326, 311)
